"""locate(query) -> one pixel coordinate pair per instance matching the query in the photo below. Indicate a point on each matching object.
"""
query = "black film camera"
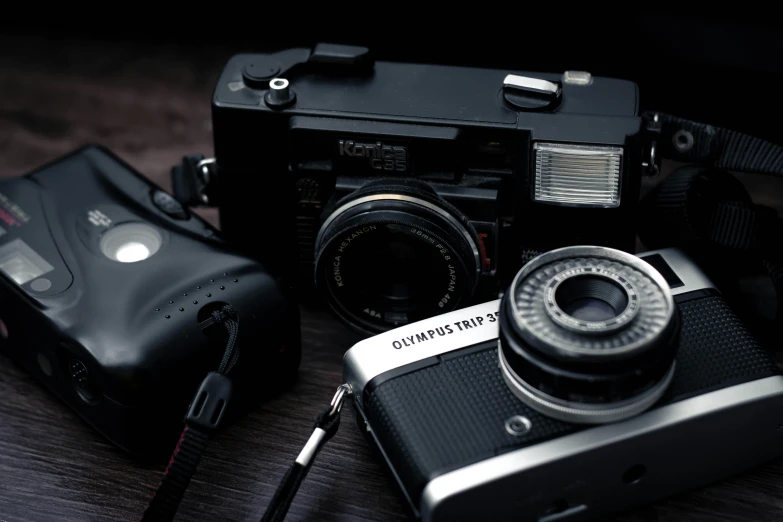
(406, 190)
(599, 382)
(106, 291)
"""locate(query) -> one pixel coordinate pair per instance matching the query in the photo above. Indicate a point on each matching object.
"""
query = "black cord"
(204, 415)
(327, 422)
(227, 316)
(176, 478)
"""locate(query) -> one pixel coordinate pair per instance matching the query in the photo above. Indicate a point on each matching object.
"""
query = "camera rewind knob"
(527, 93)
(279, 95)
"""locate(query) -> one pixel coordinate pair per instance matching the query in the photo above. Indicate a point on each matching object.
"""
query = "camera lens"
(588, 335)
(395, 254)
(130, 242)
(591, 298)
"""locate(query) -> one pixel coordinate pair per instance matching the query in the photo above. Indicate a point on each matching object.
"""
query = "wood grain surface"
(150, 104)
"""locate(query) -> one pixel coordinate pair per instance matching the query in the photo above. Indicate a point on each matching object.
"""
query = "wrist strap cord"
(204, 415)
(326, 425)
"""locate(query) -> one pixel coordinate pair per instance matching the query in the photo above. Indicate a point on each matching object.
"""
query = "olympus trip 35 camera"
(599, 382)
(108, 289)
(401, 191)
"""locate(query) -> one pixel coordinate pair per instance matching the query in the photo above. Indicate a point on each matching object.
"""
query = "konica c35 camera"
(406, 190)
(107, 292)
(600, 381)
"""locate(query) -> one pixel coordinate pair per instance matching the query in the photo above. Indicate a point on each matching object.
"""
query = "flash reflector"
(577, 175)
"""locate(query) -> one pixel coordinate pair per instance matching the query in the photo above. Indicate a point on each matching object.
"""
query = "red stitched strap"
(203, 418)
(181, 467)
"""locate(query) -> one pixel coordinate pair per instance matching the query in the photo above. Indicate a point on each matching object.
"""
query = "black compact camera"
(107, 292)
(599, 382)
(406, 190)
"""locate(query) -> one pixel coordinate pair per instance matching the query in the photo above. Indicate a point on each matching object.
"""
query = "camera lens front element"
(585, 300)
(130, 242)
(588, 334)
(388, 259)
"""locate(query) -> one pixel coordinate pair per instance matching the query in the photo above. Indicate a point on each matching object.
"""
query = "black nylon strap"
(176, 478)
(709, 209)
(695, 142)
(327, 420)
(278, 509)
(198, 427)
(741, 226)
(709, 214)
(775, 271)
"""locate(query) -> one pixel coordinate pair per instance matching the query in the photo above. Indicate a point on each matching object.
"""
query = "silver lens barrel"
(534, 304)
(588, 334)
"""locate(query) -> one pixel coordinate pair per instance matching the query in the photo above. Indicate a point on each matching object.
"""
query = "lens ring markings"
(343, 289)
(387, 240)
(557, 314)
(588, 376)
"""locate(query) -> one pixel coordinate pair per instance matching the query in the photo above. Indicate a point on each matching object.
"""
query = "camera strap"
(205, 412)
(708, 213)
(326, 425)
(689, 141)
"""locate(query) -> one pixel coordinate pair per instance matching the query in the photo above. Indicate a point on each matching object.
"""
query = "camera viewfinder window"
(666, 271)
(21, 263)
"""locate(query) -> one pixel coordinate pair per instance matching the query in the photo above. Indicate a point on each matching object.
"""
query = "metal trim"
(503, 466)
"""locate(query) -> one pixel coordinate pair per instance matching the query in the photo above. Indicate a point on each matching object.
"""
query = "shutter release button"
(168, 205)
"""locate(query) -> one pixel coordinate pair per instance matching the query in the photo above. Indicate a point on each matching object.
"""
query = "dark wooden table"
(151, 106)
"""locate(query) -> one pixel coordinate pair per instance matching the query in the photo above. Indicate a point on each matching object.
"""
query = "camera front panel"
(338, 162)
(283, 168)
(435, 404)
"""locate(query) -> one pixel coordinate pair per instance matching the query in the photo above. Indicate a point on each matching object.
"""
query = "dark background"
(723, 68)
(139, 82)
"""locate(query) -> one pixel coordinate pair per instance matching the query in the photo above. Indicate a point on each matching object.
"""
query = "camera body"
(107, 286)
(432, 397)
(489, 162)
